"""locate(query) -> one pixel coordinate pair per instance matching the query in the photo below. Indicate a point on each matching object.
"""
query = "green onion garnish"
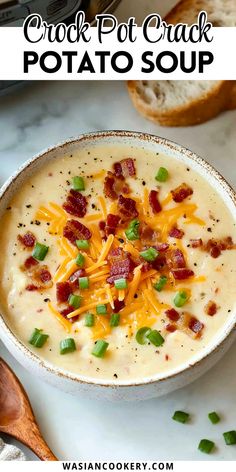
(132, 232)
(100, 348)
(213, 417)
(160, 284)
(180, 416)
(162, 175)
(121, 284)
(230, 438)
(101, 309)
(206, 446)
(38, 339)
(180, 298)
(82, 244)
(115, 320)
(78, 183)
(75, 301)
(89, 320)
(83, 283)
(150, 254)
(155, 338)
(40, 251)
(67, 345)
(141, 335)
(80, 259)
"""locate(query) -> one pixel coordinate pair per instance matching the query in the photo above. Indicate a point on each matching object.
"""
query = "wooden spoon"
(16, 415)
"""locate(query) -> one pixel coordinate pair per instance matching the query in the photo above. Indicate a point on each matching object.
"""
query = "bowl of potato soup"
(117, 265)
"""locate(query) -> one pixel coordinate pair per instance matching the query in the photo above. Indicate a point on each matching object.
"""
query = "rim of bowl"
(170, 145)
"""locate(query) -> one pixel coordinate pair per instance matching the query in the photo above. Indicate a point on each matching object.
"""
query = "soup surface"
(128, 254)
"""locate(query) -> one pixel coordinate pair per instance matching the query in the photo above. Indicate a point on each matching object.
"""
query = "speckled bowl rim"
(193, 158)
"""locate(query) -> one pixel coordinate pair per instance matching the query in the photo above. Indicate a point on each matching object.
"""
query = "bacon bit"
(75, 230)
(196, 243)
(121, 265)
(66, 312)
(162, 247)
(191, 325)
(177, 260)
(118, 305)
(45, 276)
(215, 246)
(31, 288)
(126, 189)
(172, 314)
(127, 208)
(111, 224)
(159, 262)
(30, 262)
(176, 233)
(166, 357)
(180, 193)
(147, 234)
(125, 168)
(211, 308)
(182, 274)
(154, 201)
(28, 240)
(102, 225)
(109, 186)
(171, 328)
(75, 276)
(195, 325)
(63, 291)
(76, 204)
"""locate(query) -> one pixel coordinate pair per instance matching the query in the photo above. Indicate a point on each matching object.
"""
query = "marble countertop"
(40, 115)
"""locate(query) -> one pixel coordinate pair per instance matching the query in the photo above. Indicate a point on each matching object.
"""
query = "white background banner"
(176, 466)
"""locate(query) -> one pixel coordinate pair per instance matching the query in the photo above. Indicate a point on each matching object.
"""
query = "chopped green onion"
(141, 335)
(83, 283)
(67, 345)
(180, 298)
(80, 259)
(115, 320)
(162, 175)
(82, 244)
(230, 438)
(89, 320)
(40, 251)
(213, 417)
(38, 339)
(155, 338)
(100, 348)
(150, 254)
(206, 446)
(101, 309)
(132, 232)
(75, 301)
(121, 284)
(78, 183)
(160, 284)
(180, 416)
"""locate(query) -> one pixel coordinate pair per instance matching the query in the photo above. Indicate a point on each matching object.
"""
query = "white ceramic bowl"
(150, 386)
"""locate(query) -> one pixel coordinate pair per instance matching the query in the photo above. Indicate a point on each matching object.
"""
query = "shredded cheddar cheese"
(65, 323)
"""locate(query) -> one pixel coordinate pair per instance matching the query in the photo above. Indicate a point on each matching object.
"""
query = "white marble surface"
(77, 428)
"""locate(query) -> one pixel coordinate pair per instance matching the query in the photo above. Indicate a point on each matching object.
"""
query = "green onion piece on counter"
(80, 259)
(206, 446)
(162, 175)
(78, 183)
(67, 345)
(75, 301)
(213, 417)
(82, 244)
(155, 338)
(101, 309)
(180, 299)
(150, 254)
(100, 348)
(38, 339)
(89, 320)
(115, 320)
(121, 284)
(230, 438)
(132, 232)
(180, 416)
(40, 251)
(83, 283)
(160, 284)
(141, 335)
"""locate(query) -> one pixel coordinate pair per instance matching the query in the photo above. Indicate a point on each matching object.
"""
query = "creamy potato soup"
(117, 263)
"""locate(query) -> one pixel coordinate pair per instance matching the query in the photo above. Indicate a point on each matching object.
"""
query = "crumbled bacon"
(172, 314)
(171, 328)
(176, 233)
(176, 259)
(114, 185)
(66, 312)
(27, 240)
(63, 291)
(109, 227)
(191, 325)
(30, 262)
(215, 246)
(147, 234)
(39, 275)
(159, 262)
(75, 230)
(162, 247)
(102, 225)
(127, 208)
(195, 325)
(45, 276)
(118, 305)
(125, 168)
(121, 265)
(180, 193)
(210, 308)
(76, 204)
(196, 242)
(31, 288)
(182, 274)
(75, 276)
(154, 201)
